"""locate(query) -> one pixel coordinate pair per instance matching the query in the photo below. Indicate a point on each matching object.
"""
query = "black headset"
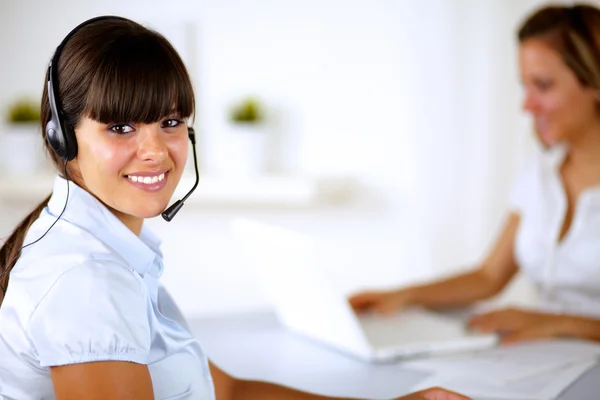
(61, 135)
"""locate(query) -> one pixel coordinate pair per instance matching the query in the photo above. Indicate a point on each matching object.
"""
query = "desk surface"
(255, 346)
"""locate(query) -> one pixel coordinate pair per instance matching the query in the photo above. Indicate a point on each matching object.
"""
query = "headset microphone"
(170, 212)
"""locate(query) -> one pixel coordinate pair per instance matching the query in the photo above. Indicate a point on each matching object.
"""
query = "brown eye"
(543, 85)
(172, 123)
(121, 129)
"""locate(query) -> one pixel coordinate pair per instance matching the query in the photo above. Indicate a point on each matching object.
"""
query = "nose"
(151, 145)
(530, 103)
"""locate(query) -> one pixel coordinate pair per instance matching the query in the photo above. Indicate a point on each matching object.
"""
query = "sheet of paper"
(552, 384)
(544, 386)
(507, 364)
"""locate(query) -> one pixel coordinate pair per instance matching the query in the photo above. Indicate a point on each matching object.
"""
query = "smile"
(148, 180)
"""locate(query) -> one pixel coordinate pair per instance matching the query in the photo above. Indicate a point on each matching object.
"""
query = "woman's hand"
(434, 394)
(380, 302)
(517, 325)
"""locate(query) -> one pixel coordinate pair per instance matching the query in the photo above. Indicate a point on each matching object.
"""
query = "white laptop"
(306, 302)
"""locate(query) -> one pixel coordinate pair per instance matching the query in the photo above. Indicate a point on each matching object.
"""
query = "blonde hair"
(574, 32)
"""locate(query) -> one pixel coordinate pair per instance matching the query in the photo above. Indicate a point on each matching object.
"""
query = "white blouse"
(89, 291)
(566, 272)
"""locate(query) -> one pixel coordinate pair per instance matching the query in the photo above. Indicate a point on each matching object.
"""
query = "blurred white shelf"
(259, 191)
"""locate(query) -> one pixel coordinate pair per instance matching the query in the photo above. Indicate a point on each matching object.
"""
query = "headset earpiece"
(59, 134)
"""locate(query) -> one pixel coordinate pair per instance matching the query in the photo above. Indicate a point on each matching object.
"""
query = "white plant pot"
(244, 151)
(22, 150)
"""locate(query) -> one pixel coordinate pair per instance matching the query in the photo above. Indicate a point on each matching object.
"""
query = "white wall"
(419, 100)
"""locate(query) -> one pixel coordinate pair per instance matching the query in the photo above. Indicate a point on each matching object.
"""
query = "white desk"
(255, 346)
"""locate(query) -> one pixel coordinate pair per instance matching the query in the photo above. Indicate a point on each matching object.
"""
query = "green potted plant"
(22, 146)
(246, 146)
(24, 111)
(248, 111)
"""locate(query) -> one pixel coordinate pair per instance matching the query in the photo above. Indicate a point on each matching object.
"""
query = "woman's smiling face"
(561, 107)
(132, 168)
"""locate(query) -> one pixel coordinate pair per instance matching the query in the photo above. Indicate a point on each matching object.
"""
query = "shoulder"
(63, 242)
(65, 254)
(96, 277)
(94, 285)
(96, 310)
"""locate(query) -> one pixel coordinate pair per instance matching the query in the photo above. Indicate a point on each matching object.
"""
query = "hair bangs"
(140, 79)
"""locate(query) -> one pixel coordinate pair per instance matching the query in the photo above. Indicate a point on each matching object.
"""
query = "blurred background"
(389, 130)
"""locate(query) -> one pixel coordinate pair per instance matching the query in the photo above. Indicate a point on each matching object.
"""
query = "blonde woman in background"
(553, 230)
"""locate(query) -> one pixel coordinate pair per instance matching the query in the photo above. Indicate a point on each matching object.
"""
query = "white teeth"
(147, 179)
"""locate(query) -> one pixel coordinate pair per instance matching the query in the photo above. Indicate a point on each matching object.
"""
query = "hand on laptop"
(434, 394)
(380, 302)
(517, 325)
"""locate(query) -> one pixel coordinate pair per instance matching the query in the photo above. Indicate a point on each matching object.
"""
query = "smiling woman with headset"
(82, 314)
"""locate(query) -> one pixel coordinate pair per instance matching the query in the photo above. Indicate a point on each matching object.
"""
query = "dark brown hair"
(574, 32)
(110, 70)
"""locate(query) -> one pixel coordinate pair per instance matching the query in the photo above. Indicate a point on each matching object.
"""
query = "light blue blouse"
(90, 291)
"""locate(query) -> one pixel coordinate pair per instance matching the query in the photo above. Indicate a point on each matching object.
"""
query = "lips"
(148, 181)
(541, 124)
(542, 127)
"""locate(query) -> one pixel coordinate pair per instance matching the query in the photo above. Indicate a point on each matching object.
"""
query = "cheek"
(579, 110)
(106, 157)
(569, 116)
(105, 153)
(555, 104)
(178, 150)
(563, 109)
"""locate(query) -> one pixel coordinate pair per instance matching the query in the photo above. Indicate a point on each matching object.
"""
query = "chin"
(153, 213)
(150, 212)
(546, 139)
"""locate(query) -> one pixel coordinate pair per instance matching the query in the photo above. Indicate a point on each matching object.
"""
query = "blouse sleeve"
(96, 311)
